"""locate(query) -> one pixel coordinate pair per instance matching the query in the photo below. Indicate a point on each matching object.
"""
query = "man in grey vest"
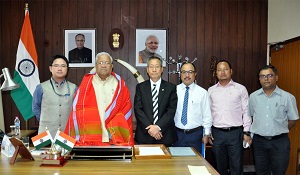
(52, 99)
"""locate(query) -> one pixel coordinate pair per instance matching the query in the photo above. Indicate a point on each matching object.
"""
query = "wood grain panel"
(286, 60)
(240, 62)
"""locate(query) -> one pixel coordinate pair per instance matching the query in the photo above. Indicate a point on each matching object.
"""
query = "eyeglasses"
(188, 72)
(104, 63)
(266, 76)
(57, 65)
(79, 40)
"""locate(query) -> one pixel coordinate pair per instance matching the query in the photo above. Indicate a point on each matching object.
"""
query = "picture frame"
(141, 36)
(79, 57)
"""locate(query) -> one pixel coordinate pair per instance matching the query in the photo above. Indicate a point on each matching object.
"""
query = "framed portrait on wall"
(150, 42)
(80, 47)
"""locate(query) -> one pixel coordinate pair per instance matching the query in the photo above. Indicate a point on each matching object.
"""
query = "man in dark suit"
(80, 54)
(155, 114)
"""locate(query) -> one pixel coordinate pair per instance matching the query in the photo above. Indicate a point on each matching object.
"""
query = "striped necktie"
(155, 104)
(185, 107)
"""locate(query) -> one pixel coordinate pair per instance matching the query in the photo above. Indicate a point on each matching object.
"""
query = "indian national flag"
(26, 71)
(42, 140)
(64, 140)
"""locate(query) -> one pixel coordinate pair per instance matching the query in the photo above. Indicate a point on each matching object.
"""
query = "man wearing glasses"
(151, 44)
(193, 112)
(101, 113)
(274, 113)
(52, 99)
(154, 107)
(80, 54)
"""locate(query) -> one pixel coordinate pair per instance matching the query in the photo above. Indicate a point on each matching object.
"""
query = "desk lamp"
(8, 84)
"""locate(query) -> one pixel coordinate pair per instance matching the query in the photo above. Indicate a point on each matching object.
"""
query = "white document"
(151, 151)
(198, 170)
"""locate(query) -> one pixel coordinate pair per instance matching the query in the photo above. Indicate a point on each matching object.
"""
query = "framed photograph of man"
(150, 42)
(80, 47)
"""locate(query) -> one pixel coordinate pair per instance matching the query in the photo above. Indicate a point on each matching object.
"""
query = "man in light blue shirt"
(274, 113)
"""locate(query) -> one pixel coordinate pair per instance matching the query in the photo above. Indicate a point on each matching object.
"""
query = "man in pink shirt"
(231, 123)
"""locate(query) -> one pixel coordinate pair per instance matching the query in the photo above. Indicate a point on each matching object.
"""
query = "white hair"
(104, 53)
(151, 36)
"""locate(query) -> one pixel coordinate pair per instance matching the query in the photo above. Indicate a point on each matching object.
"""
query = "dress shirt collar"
(157, 83)
(231, 83)
(276, 90)
(183, 86)
(56, 83)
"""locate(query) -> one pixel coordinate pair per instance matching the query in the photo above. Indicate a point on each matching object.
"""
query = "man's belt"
(271, 137)
(188, 131)
(227, 129)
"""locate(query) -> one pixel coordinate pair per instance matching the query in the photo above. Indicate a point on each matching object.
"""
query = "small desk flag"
(64, 140)
(42, 140)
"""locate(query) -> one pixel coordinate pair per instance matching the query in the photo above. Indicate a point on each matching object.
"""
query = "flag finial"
(26, 6)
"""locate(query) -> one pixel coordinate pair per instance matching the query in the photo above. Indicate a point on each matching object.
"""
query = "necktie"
(185, 107)
(155, 104)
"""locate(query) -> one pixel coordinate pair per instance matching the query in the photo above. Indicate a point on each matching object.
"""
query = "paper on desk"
(151, 151)
(182, 151)
(198, 170)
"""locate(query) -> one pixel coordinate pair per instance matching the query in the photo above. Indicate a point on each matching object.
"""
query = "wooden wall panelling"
(209, 19)
(7, 46)
(217, 30)
(241, 31)
(233, 37)
(248, 57)
(181, 33)
(190, 31)
(287, 62)
(200, 40)
(226, 27)
(172, 38)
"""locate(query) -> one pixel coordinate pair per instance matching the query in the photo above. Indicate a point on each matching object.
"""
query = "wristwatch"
(247, 133)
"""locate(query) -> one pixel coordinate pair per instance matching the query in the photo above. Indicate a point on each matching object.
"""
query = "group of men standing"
(224, 116)
(100, 112)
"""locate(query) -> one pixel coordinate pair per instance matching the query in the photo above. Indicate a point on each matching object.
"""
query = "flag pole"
(26, 121)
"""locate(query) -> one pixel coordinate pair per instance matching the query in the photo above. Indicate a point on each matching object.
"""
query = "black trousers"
(227, 149)
(271, 155)
(190, 140)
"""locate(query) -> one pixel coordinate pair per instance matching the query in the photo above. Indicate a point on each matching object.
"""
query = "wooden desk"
(175, 165)
(25, 133)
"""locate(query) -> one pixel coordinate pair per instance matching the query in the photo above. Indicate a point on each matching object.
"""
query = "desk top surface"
(25, 133)
(175, 165)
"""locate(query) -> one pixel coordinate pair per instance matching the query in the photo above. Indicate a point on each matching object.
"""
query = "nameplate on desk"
(182, 151)
(102, 152)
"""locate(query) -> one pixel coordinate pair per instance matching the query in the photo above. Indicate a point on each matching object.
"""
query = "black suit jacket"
(83, 55)
(143, 109)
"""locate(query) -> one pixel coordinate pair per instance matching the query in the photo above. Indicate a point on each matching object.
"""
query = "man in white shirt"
(198, 115)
